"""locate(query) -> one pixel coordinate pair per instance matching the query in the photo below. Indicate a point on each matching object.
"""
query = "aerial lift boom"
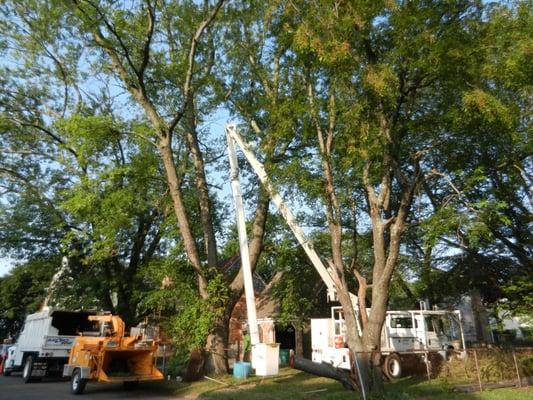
(234, 137)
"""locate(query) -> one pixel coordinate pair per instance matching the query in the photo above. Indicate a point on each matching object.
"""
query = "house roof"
(232, 265)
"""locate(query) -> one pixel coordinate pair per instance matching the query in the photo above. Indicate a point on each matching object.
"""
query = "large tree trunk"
(181, 215)
(203, 191)
(216, 360)
(215, 350)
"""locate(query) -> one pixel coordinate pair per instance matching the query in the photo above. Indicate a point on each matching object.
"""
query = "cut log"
(324, 370)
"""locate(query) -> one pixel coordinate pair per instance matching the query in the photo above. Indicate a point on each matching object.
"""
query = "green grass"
(292, 384)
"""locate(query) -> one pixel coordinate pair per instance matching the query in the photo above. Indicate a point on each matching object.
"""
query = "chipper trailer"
(105, 354)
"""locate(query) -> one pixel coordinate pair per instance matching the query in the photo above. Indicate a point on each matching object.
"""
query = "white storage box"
(265, 359)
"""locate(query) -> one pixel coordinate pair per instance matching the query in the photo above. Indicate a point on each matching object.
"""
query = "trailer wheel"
(392, 367)
(27, 370)
(77, 383)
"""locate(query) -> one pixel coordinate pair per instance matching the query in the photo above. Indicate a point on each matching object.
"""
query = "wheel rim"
(75, 381)
(26, 371)
(394, 367)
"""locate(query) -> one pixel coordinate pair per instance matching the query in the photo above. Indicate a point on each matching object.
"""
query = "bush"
(495, 364)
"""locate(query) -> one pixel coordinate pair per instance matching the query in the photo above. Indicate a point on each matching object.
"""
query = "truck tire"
(392, 366)
(6, 372)
(77, 383)
(27, 370)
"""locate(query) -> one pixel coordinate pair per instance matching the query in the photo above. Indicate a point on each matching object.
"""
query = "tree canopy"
(400, 130)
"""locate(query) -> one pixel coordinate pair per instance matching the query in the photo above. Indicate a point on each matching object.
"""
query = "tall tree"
(162, 54)
(366, 85)
(77, 179)
(480, 194)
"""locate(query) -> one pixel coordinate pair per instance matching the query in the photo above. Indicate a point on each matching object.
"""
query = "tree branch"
(147, 43)
(192, 53)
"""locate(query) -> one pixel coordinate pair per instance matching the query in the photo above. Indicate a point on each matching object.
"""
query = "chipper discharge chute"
(105, 354)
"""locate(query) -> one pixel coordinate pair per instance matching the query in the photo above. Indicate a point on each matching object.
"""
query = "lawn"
(292, 384)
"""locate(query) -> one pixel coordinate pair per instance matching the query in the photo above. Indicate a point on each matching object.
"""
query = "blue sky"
(5, 265)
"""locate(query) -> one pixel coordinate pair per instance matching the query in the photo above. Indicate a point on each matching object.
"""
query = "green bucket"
(284, 356)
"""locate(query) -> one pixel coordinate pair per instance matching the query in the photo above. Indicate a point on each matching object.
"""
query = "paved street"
(12, 388)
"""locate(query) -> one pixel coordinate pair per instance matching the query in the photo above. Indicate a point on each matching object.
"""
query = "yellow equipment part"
(106, 355)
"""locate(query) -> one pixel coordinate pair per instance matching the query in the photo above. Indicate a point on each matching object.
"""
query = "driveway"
(13, 388)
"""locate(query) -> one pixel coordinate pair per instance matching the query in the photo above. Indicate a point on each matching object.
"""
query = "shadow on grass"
(291, 384)
(442, 389)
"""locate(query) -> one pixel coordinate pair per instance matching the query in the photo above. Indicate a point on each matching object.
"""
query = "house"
(268, 309)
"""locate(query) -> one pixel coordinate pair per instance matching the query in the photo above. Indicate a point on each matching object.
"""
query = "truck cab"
(10, 360)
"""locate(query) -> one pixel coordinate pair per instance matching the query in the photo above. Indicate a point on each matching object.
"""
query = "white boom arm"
(55, 279)
(243, 243)
(233, 136)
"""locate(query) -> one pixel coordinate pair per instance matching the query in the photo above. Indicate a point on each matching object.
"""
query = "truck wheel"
(77, 383)
(392, 367)
(6, 372)
(28, 368)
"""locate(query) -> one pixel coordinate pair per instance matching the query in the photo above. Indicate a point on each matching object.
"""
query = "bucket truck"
(404, 332)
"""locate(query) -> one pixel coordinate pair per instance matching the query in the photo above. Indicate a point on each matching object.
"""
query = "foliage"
(171, 299)
(23, 291)
(400, 129)
(517, 297)
(165, 280)
(297, 289)
(198, 316)
(103, 209)
(478, 229)
(495, 365)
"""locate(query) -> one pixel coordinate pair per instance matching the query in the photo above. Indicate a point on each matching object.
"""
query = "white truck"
(10, 360)
(405, 334)
(44, 344)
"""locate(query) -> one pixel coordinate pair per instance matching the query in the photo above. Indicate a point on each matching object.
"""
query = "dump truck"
(44, 344)
(105, 354)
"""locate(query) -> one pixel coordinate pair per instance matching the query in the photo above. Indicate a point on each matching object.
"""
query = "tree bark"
(216, 360)
(298, 340)
(325, 370)
(203, 191)
(181, 214)
(480, 317)
(217, 341)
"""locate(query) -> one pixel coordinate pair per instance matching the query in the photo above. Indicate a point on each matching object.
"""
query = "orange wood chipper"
(105, 354)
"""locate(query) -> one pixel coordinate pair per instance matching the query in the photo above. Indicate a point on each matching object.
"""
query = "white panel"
(321, 332)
